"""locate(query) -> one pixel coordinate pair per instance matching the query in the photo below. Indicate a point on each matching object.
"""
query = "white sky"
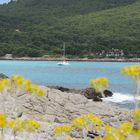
(4, 1)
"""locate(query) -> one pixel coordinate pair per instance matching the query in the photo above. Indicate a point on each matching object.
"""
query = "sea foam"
(120, 97)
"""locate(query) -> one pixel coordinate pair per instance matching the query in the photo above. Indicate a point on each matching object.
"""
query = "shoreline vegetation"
(73, 59)
(92, 28)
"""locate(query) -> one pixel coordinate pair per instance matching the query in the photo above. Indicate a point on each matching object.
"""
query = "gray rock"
(90, 93)
(77, 99)
(97, 99)
(3, 76)
(60, 107)
(108, 93)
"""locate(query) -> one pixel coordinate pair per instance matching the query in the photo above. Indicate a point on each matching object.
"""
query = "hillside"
(90, 28)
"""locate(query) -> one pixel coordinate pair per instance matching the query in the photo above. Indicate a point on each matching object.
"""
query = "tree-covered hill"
(90, 28)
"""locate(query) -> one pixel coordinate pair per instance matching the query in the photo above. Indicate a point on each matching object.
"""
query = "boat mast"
(64, 53)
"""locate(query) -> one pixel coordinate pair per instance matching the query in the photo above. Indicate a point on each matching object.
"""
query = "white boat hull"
(63, 63)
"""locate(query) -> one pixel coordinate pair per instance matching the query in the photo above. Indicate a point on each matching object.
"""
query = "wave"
(120, 97)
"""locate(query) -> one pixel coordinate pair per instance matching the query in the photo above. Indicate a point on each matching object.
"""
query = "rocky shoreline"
(89, 93)
(59, 107)
(73, 59)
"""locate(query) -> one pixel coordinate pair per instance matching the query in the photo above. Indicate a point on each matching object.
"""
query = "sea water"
(76, 75)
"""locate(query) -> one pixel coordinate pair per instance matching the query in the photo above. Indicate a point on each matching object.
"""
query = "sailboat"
(63, 62)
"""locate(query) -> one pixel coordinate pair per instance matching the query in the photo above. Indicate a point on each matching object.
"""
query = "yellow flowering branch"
(128, 130)
(12, 88)
(134, 72)
(99, 84)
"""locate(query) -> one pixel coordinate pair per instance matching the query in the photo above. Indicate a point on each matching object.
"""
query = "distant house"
(111, 53)
(8, 56)
(115, 53)
(17, 30)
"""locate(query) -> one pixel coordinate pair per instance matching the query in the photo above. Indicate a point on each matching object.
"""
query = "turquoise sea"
(75, 75)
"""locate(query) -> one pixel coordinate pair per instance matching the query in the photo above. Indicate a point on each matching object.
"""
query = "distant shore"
(74, 59)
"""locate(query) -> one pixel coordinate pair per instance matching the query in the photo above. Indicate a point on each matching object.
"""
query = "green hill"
(90, 28)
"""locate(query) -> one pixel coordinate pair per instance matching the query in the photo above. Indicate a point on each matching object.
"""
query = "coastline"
(73, 59)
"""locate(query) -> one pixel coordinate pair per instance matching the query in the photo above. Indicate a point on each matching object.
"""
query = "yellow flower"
(133, 71)
(99, 84)
(136, 130)
(21, 83)
(19, 125)
(136, 122)
(97, 138)
(31, 125)
(126, 127)
(35, 87)
(2, 87)
(16, 125)
(61, 129)
(79, 122)
(28, 83)
(4, 83)
(28, 88)
(91, 118)
(40, 92)
(13, 77)
(136, 115)
(67, 138)
(110, 137)
(2, 120)
(108, 128)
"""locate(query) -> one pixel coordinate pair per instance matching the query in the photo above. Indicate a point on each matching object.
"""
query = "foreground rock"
(90, 93)
(60, 107)
(3, 76)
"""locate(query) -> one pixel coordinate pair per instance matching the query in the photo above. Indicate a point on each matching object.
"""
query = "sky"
(4, 1)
